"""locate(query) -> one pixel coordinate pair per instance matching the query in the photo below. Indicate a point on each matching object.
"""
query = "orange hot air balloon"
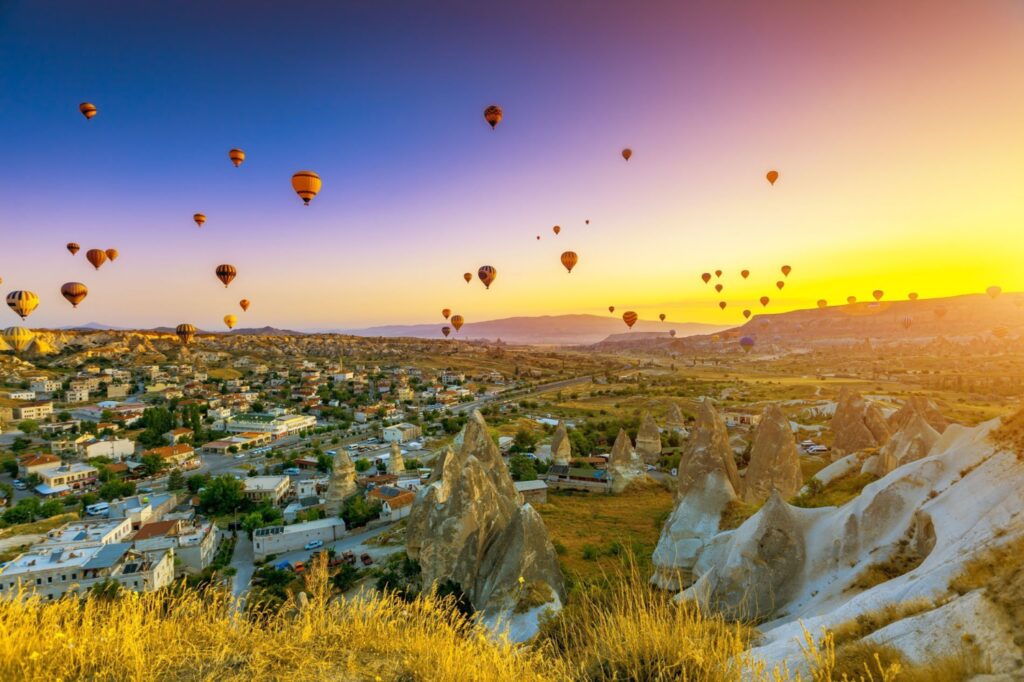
(457, 322)
(446, 330)
(611, 309)
(186, 333)
(112, 254)
(73, 248)
(877, 294)
(744, 273)
(718, 288)
(237, 156)
(822, 303)
(569, 260)
(786, 270)
(629, 317)
(199, 218)
(626, 153)
(22, 303)
(993, 292)
(746, 314)
(244, 304)
(556, 229)
(722, 304)
(780, 284)
(706, 277)
(74, 292)
(487, 275)
(493, 115)
(912, 295)
(764, 301)
(446, 312)
(772, 176)
(661, 317)
(940, 312)
(96, 257)
(851, 299)
(306, 184)
(468, 276)
(718, 273)
(88, 110)
(225, 273)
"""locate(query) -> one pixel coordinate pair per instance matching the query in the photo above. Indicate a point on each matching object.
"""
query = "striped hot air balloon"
(630, 318)
(487, 275)
(74, 292)
(225, 273)
(18, 338)
(457, 322)
(112, 254)
(73, 248)
(88, 110)
(569, 260)
(493, 115)
(199, 218)
(22, 302)
(97, 257)
(237, 156)
(306, 184)
(186, 333)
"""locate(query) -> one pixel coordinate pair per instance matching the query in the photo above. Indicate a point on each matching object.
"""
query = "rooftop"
(259, 483)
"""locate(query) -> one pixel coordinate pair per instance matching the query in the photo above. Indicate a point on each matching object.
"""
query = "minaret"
(342, 484)
(396, 464)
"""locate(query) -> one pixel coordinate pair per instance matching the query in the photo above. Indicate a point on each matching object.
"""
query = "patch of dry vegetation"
(1000, 572)
(1010, 434)
(856, 628)
(904, 560)
(836, 493)
(735, 513)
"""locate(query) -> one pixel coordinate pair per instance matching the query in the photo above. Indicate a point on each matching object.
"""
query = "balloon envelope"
(487, 275)
(73, 248)
(569, 260)
(199, 218)
(96, 257)
(626, 153)
(993, 292)
(230, 321)
(226, 273)
(112, 254)
(877, 294)
(630, 318)
(744, 273)
(306, 184)
(88, 109)
(244, 304)
(185, 332)
(764, 301)
(22, 302)
(457, 322)
(74, 292)
(493, 115)
(237, 156)
(446, 312)
(772, 176)
(706, 277)
(18, 338)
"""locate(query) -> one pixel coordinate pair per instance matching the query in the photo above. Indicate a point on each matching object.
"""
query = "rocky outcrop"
(917, 405)
(707, 484)
(624, 463)
(396, 464)
(912, 442)
(468, 525)
(561, 448)
(774, 462)
(342, 484)
(675, 418)
(857, 425)
(648, 440)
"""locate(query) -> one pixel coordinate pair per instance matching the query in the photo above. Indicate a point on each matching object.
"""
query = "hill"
(546, 329)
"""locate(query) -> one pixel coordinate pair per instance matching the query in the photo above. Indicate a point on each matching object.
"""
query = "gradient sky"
(897, 127)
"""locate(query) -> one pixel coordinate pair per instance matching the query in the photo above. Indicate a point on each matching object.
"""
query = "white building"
(272, 488)
(86, 533)
(280, 539)
(76, 395)
(116, 449)
(45, 385)
(276, 425)
(401, 433)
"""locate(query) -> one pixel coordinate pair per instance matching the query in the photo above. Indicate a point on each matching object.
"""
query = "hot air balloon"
(74, 292)
(457, 322)
(780, 284)
(468, 276)
(73, 248)
(487, 274)
(538, 237)
(746, 314)
(764, 301)
(993, 292)
(237, 156)
(446, 312)
(611, 309)
(96, 257)
(493, 115)
(940, 312)
(912, 295)
(744, 273)
(18, 338)
(630, 318)
(556, 229)
(706, 277)
(722, 304)
(718, 273)
(112, 254)
(718, 288)
(225, 273)
(186, 333)
(230, 321)
(672, 333)
(569, 260)
(786, 270)
(851, 299)
(199, 218)
(877, 294)
(822, 303)
(587, 221)
(626, 153)
(747, 343)
(88, 110)
(22, 302)
(661, 317)
(306, 184)
(772, 176)
(244, 304)
(907, 322)
(446, 330)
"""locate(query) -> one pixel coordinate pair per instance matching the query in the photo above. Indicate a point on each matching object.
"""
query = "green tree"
(28, 426)
(362, 464)
(176, 480)
(152, 464)
(358, 512)
(222, 495)
(522, 468)
(524, 441)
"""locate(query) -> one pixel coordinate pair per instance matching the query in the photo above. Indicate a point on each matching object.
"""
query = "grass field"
(224, 373)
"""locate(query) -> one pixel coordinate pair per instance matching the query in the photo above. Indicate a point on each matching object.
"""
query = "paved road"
(349, 542)
(241, 561)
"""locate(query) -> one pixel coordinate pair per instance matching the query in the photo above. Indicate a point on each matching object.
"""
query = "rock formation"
(561, 448)
(912, 442)
(857, 425)
(648, 440)
(468, 525)
(342, 484)
(675, 417)
(624, 463)
(396, 464)
(774, 462)
(707, 482)
(914, 405)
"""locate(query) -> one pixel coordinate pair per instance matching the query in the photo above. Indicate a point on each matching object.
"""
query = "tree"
(524, 441)
(196, 481)
(28, 426)
(222, 495)
(10, 467)
(111, 490)
(51, 508)
(357, 511)
(176, 481)
(20, 444)
(152, 464)
(362, 464)
(324, 462)
(522, 468)
(345, 578)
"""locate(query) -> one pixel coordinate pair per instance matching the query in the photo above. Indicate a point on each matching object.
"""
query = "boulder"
(857, 425)
(561, 448)
(774, 462)
(624, 463)
(341, 485)
(396, 464)
(915, 405)
(469, 526)
(648, 440)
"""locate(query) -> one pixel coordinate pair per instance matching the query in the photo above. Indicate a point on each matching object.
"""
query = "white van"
(98, 509)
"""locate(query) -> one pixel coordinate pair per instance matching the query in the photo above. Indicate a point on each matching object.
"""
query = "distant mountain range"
(541, 330)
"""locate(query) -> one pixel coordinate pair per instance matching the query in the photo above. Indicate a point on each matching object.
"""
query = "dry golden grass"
(735, 513)
(224, 373)
(1010, 434)
(836, 493)
(1000, 572)
(866, 623)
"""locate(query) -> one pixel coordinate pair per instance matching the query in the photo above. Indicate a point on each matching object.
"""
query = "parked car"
(348, 557)
(240, 455)
(291, 471)
(145, 489)
(314, 544)
(19, 485)
(366, 559)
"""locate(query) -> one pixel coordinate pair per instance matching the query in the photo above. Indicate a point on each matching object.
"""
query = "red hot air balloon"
(722, 304)
(780, 284)
(446, 312)
(611, 309)
(718, 288)
(468, 276)
(772, 176)
(877, 294)
(718, 273)
(626, 153)
(630, 318)
(569, 260)
(556, 229)
(706, 277)
(746, 314)
(786, 270)
(744, 273)
(764, 301)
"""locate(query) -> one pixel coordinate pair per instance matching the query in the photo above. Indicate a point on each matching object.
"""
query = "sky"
(896, 129)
